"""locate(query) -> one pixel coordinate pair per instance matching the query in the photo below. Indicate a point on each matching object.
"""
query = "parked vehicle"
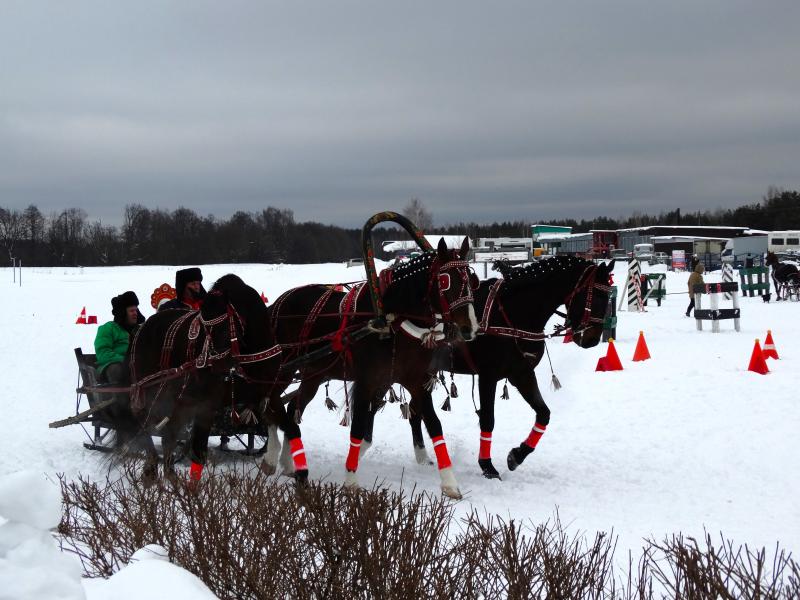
(784, 241)
(745, 251)
(643, 252)
(661, 258)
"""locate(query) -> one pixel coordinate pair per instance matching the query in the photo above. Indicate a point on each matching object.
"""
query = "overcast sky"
(484, 110)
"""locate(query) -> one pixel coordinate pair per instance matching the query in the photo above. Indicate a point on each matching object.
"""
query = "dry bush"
(250, 536)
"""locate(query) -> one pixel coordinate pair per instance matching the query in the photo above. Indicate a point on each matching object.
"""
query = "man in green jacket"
(113, 338)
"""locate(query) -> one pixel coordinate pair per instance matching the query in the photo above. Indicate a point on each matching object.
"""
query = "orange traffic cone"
(757, 362)
(769, 347)
(568, 336)
(641, 352)
(264, 298)
(609, 362)
(82, 317)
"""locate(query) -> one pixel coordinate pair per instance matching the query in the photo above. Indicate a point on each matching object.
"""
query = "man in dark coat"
(188, 289)
(113, 338)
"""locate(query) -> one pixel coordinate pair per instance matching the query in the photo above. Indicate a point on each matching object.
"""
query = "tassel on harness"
(453, 388)
(393, 396)
(329, 404)
(554, 382)
(446, 405)
(404, 411)
(505, 395)
(345, 422)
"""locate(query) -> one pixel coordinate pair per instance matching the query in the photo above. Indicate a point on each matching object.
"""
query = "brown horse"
(315, 317)
(185, 366)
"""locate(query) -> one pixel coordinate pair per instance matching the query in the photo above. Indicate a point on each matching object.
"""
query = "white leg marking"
(269, 463)
(287, 464)
(449, 483)
(421, 454)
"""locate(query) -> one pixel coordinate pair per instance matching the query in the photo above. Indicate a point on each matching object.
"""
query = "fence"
(755, 281)
(716, 314)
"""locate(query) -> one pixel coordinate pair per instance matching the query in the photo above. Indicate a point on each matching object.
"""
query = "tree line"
(156, 236)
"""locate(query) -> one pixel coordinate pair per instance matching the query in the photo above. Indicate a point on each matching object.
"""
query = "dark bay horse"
(783, 274)
(312, 317)
(185, 365)
(514, 313)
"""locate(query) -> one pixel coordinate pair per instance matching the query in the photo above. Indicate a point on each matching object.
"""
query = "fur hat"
(119, 307)
(185, 276)
(119, 304)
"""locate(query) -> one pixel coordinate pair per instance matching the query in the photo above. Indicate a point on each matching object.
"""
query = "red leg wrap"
(442, 457)
(195, 471)
(536, 434)
(298, 454)
(486, 445)
(352, 456)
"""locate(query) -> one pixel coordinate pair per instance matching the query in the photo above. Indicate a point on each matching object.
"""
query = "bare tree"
(12, 229)
(419, 215)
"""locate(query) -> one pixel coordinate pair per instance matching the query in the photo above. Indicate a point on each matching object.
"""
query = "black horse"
(784, 275)
(312, 318)
(511, 340)
(185, 365)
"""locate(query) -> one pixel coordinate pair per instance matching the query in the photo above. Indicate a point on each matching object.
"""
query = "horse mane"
(409, 268)
(235, 290)
(409, 281)
(538, 272)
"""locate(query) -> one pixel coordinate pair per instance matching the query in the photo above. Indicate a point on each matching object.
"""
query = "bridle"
(587, 281)
(236, 324)
(441, 276)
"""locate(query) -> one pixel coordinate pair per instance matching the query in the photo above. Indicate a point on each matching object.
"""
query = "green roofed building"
(537, 230)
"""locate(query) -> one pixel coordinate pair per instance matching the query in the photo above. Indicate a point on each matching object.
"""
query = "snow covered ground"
(686, 441)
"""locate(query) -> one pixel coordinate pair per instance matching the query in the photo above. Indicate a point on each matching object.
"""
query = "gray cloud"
(484, 110)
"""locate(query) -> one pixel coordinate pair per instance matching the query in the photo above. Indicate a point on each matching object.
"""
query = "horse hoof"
(517, 455)
(421, 455)
(452, 492)
(487, 468)
(301, 477)
(351, 480)
(267, 468)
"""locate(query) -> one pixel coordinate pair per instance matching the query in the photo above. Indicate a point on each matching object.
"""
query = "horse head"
(454, 285)
(240, 308)
(587, 304)
(772, 259)
(436, 283)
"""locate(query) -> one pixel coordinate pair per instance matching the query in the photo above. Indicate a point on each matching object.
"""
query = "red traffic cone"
(264, 298)
(769, 350)
(82, 317)
(91, 320)
(757, 362)
(641, 352)
(610, 362)
(568, 336)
